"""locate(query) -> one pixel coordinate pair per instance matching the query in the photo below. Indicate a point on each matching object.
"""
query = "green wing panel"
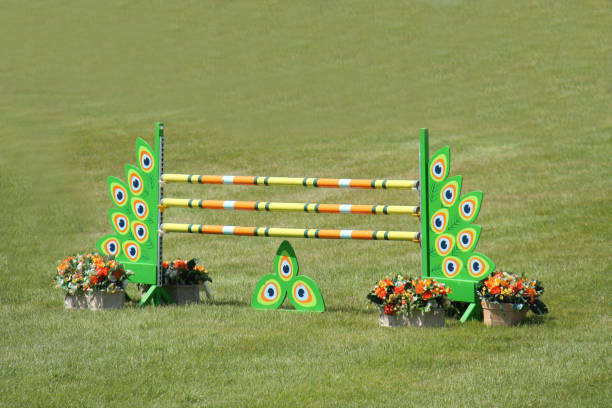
(134, 217)
(452, 236)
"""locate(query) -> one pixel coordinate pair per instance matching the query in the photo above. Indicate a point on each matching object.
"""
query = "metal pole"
(424, 197)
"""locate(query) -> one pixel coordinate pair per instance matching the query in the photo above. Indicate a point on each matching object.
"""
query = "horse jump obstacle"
(447, 236)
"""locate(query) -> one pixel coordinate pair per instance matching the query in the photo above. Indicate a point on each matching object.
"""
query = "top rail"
(291, 181)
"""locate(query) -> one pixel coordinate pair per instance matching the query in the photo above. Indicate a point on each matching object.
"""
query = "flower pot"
(502, 314)
(75, 302)
(103, 300)
(183, 294)
(416, 319)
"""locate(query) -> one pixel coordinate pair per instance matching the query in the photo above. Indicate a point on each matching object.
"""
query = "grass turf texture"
(521, 92)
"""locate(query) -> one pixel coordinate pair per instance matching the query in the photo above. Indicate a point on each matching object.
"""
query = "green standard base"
(155, 296)
(473, 312)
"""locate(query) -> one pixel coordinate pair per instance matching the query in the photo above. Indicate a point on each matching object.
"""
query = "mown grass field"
(521, 91)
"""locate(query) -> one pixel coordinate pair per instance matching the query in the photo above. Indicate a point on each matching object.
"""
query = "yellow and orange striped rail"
(295, 207)
(292, 232)
(291, 181)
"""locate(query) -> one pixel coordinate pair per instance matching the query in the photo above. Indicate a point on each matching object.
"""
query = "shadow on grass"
(536, 320)
(215, 302)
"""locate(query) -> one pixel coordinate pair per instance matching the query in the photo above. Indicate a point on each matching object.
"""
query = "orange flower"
(427, 295)
(165, 264)
(419, 289)
(495, 290)
(399, 289)
(381, 292)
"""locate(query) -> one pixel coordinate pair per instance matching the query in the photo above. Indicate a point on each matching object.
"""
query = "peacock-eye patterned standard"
(134, 217)
(272, 289)
(452, 236)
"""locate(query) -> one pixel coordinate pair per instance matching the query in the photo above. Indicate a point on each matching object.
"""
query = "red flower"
(519, 285)
(427, 295)
(180, 264)
(102, 272)
(93, 279)
(399, 289)
(495, 290)
(165, 264)
(117, 274)
(389, 309)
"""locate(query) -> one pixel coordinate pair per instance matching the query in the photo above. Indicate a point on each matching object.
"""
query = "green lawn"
(521, 91)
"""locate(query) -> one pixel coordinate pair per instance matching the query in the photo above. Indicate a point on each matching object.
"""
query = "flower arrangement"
(521, 292)
(398, 294)
(90, 272)
(181, 272)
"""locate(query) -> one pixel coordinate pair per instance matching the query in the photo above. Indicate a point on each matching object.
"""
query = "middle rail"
(294, 207)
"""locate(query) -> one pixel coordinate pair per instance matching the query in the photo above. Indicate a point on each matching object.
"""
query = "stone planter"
(75, 302)
(417, 319)
(104, 300)
(183, 294)
(501, 314)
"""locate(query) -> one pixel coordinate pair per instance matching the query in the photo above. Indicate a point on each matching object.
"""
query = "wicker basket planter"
(501, 314)
(183, 294)
(416, 319)
(75, 302)
(98, 300)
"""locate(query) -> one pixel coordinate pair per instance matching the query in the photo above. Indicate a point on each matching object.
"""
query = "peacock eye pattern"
(439, 221)
(285, 268)
(140, 209)
(131, 250)
(444, 244)
(145, 159)
(141, 232)
(121, 223)
(451, 266)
